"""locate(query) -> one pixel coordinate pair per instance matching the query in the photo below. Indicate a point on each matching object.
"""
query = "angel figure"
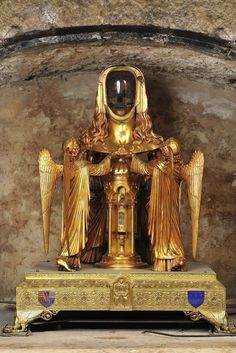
(103, 205)
(75, 171)
(163, 221)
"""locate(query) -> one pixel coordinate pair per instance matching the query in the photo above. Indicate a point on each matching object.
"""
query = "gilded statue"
(121, 185)
(121, 195)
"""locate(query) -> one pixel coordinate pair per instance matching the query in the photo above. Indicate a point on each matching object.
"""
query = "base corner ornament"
(218, 319)
(24, 319)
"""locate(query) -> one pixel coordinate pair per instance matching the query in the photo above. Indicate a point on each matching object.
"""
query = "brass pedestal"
(46, 291)
(121, 262)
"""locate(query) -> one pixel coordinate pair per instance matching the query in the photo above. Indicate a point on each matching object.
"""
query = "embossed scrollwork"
(194, 315)
(47, 315)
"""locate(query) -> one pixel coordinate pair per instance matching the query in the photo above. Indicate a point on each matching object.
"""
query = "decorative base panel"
(46, 291)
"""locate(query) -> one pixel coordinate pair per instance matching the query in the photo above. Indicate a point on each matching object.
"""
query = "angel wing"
(49, 171)
(193, 173)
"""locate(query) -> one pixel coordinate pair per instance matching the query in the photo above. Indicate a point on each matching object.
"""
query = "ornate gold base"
(45, 292)
(122, 261)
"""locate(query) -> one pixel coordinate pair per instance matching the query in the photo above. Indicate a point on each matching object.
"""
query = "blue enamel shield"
(46, 298)
(196, 297)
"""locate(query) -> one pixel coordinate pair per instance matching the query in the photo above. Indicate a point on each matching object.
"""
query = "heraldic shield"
(46, 298)
(196, 297)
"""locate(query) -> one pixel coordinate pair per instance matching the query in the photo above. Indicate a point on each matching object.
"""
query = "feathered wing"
(193, 173)
(76, 210)
(49, 171)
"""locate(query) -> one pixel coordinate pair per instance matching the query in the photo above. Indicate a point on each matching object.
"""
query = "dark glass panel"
(120, 87)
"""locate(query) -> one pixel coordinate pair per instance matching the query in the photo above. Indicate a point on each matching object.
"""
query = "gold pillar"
(121, 189)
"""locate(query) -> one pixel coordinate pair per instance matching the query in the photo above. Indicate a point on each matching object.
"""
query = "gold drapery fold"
(94, 247)
(76, 205)
(140, 167)
(100, 169)
(163, 219)
(163, 212)
(93, 250)
(73, 240)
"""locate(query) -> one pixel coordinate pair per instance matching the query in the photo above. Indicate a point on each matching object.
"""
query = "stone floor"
(117, 340)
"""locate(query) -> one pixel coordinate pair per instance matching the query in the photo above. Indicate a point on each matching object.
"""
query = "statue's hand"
(121, 153)
(173, 145)
(163, 166)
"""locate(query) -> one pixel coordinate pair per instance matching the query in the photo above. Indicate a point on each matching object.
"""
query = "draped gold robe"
(163, 213)
(76, 207)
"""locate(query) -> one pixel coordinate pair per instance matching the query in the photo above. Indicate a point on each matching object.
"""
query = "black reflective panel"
(120, 86)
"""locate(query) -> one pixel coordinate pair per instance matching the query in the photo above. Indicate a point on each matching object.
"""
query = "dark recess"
(145, 35)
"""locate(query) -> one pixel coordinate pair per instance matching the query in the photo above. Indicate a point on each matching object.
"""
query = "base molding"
(46, 291)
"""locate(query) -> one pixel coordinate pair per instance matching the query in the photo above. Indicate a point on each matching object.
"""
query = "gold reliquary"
(121, 185)
(121, 245)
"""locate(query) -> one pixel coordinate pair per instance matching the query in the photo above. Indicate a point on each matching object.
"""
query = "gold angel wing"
(49, 171)
(193, 173)
(76, 209)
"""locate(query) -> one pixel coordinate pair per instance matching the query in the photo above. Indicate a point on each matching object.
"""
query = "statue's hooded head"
(121, 96)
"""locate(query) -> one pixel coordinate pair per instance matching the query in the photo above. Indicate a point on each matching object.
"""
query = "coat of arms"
(46, 298)
(196, 297)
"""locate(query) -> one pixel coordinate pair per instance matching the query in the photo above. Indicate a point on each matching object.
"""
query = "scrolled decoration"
(47, 315)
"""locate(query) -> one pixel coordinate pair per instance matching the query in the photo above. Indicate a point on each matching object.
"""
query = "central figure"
(121, 185)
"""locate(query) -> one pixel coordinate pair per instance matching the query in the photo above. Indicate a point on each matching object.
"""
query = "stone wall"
(215, 17)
